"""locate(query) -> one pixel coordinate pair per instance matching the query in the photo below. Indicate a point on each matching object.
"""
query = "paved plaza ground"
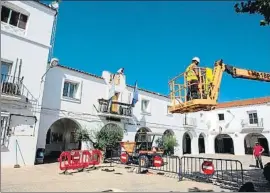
(46, 178)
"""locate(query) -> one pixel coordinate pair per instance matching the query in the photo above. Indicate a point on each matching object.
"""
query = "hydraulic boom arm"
(247, 74)
(220, 67)
(192, 97)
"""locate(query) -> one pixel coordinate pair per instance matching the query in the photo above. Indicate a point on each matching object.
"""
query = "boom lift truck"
(208, 89)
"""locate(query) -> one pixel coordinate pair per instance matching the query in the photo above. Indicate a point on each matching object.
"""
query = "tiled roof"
(247, 102)
(100, 77)
(151, 92)
(237, 103)
(76, 70)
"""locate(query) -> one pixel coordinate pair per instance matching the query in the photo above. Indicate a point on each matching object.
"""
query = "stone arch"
(114, 149)
(168, 132)
(186, 144)
(142, 141)
(224, 144)
(201, 143)
(250, 140)
(141, 130)
(61, 137)
(111, 126)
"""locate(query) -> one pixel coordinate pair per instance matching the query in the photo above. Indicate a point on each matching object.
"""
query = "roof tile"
(100, 77)
(247, 102)
(238, 103)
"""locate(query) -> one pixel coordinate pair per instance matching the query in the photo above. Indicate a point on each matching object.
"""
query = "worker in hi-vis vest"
(208, 80)
(192, 79)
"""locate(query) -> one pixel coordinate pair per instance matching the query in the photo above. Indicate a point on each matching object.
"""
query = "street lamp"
(54, 62)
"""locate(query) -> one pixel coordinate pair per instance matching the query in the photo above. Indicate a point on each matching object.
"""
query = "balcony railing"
(117, 108)
(254, 123)
(189, 122)
(11, 85)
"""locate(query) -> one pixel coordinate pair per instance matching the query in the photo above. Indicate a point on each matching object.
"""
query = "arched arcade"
(252, 138)
(111, 134)
(224, 144)
(143, 142)
(61, 137)
(169, 132)
(187, 138)
(201, 143)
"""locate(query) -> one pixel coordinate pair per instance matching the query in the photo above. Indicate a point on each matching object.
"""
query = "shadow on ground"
(195, 189)
(233, 180)
(229, 179)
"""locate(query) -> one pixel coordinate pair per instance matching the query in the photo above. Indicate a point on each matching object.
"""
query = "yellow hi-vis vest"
(190, 74)
(208, 78)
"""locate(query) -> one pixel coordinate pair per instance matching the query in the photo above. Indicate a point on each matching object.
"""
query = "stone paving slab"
(46, 178)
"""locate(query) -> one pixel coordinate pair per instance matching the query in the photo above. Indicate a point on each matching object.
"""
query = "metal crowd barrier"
(226, 173)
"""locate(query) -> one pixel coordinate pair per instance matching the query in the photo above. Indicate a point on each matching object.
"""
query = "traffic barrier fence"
(78, 160)
(164, 165)
(227, 173)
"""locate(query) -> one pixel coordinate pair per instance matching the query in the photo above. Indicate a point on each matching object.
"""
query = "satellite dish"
(54, 62)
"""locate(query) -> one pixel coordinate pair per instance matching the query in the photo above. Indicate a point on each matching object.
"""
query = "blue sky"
(155, 41)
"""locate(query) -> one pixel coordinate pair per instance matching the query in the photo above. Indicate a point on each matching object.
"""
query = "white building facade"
(36, 114)
(26, 28)
(234, 127)
(80, 100)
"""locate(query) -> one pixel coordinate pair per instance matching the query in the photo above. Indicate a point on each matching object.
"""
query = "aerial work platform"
(202, 95)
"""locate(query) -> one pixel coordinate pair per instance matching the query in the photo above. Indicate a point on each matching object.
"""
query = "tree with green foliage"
(82, 135)
(105, 139)
(109, 136)
(168, 143)
(261, 7)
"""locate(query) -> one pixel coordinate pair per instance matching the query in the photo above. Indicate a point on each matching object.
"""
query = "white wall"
(93, 88)
(232, 126)
(157, 120)
(32, 48)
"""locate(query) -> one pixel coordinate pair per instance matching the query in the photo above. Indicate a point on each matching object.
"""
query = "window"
(13, 18)
(221, 117)
(145, 106)
(70, 89)
(253, 118)
(5, 70)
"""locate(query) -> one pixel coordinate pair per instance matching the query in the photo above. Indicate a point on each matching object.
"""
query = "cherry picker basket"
(181, 99)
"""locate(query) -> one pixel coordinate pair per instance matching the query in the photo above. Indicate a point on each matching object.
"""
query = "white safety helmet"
(196, 59)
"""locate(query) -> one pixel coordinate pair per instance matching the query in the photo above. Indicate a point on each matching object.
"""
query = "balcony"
(11, 86)
(116, 109)
(189, 122)
(254, 125)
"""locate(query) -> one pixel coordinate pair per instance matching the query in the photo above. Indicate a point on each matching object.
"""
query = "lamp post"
(54, 62)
